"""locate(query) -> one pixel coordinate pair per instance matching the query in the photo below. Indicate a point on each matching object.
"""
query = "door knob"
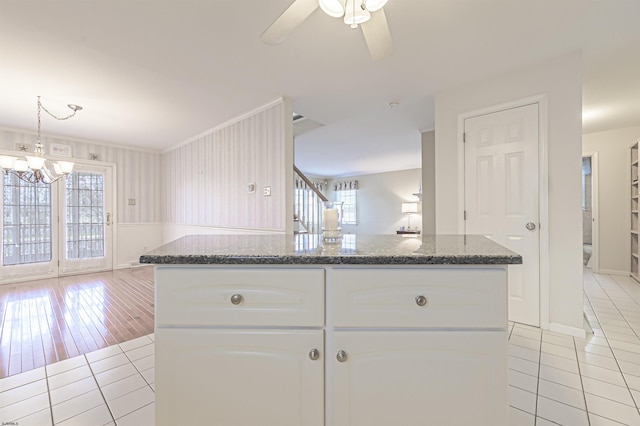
(236, 299)
(314, 354)
(341, 356)
(530, 226)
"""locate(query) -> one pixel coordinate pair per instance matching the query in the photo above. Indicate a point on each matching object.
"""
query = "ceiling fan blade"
(290, 18)
(377, 35)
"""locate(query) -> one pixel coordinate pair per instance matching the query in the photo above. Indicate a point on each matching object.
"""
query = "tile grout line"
(584, 393)
(46, 378)
(100, 389)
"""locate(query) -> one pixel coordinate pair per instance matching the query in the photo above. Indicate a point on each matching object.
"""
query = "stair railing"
(307, 210)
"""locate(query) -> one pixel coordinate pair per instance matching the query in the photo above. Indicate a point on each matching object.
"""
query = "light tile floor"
(559, 379)
(554, 378)
(111, 386)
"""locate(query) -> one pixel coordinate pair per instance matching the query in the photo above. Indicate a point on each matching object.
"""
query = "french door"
(57, 229)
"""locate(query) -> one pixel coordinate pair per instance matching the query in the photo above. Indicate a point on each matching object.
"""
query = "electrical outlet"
(132, 201)
(251, 188)
(267, 191)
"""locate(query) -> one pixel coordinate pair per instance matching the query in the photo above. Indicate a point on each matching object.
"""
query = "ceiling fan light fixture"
(375, 5)
(355, 13)
(333, 8)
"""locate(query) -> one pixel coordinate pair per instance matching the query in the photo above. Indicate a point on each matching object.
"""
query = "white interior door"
(502, 197)
(86, 242)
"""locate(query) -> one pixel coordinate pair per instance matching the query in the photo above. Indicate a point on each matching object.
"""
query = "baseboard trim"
(565, 329)
(612, 272)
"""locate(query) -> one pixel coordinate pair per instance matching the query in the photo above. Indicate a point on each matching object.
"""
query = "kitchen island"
(375, 330)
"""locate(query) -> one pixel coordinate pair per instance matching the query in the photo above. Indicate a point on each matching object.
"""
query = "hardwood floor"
(50, 320)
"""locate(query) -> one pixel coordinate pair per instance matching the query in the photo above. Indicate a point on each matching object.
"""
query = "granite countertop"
(307, 249)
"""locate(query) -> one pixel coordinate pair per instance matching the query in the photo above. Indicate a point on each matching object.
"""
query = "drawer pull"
(421, 300)
(314, 354)
(236, 299)
(341, 356)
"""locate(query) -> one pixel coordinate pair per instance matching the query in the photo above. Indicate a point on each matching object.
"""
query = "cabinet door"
(239, 377)
(418, 378)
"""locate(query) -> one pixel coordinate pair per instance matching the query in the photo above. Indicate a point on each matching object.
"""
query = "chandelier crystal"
(33, 168)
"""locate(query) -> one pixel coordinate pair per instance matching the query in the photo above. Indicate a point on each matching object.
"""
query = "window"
(349, 202)
(26, 236)
(85, 222)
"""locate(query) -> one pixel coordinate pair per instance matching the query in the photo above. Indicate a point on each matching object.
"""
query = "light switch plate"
(267, 191)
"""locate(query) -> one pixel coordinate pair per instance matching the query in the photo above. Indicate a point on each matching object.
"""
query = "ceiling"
(155, 73)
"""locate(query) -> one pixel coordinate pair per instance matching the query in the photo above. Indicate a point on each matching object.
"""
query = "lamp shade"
(334, 8)
(374, 5)
(409, 207)
(7, 162)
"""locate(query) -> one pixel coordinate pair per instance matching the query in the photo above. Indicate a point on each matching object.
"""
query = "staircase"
(307, 205)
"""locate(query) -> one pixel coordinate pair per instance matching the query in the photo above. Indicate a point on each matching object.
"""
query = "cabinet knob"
(314, 354)
(421, 300)
(341, 356)
(236, 299)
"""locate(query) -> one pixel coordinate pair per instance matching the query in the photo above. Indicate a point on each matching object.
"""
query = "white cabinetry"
(234, 346)
(398, 346)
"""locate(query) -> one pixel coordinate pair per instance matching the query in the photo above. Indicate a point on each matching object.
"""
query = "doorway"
(590, 211)
(57, 229)
(502, 196)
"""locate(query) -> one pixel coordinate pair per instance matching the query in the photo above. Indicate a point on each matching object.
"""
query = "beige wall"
(560, 80)
(429, 182)
(614, 189)
(205, 180)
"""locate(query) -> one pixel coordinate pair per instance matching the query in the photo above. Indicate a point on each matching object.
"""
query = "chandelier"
(354, 12)
(33, 168)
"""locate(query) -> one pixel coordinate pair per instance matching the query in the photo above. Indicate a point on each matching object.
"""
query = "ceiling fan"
(366, 13)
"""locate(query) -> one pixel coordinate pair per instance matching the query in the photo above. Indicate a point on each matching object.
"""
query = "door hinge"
(465, 215)
(464, 137)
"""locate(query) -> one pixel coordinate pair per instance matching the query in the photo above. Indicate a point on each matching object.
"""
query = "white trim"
(543, 187)
(595, 210)
(48, 136)
(613, 272)
(565, 329)
(227, 124)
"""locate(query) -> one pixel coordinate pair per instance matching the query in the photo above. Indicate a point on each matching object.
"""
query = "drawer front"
(422, 298)
(239, 297)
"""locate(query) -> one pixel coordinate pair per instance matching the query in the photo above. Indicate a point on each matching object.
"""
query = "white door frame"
(543, 186)
(595, 223)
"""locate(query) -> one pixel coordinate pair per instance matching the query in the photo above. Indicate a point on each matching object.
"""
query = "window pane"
(348, 198)
(26, 222)
(85, 212)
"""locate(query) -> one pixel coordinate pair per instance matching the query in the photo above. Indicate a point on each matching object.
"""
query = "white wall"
(560, 80)
(380, 197)
(614, 181)
(205, 180)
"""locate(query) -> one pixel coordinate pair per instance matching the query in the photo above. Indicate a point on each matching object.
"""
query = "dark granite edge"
(330, 260)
